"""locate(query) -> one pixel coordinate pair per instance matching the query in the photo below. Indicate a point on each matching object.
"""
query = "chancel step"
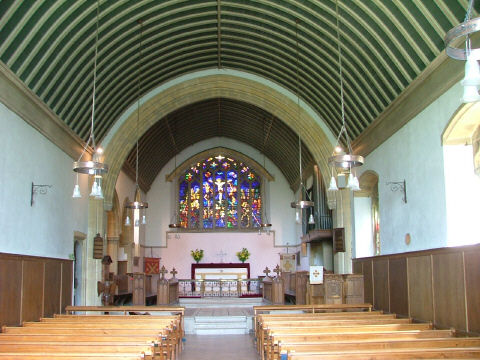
(211, 325)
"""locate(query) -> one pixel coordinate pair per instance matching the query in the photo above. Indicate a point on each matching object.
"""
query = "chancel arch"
(190, 91)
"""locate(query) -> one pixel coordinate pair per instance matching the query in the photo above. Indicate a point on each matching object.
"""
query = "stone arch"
(224, 151)
(464, 128)
(213, 86)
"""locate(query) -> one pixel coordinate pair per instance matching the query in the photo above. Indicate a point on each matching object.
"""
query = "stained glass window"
(220, 193)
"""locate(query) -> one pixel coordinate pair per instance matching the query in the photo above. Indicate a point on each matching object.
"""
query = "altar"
(223, 271)
(221, 279)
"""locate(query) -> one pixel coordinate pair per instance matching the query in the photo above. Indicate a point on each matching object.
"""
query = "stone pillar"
(92, 268)
(343, 217)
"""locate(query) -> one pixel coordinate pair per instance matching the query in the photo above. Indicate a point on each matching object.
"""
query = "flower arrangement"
(197, 254)
(243, 254)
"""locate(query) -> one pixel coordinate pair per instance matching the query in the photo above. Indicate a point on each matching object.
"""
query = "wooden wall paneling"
(67, 284)
(449, 290)
(472, 280)
(398, 286)
(357, 267)
(10, 291)
(368, 281)
(53, 286)
(32, 293)
(380, 284)
(420, 287)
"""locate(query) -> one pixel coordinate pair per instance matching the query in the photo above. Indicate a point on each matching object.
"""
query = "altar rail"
(219, 288)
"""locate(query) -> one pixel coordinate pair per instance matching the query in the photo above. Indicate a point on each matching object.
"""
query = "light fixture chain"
(298, 105)
(469, 10)
(138, 93)
(344, 128)
(92, 136)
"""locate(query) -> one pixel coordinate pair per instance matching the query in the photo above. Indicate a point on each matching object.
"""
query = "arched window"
(220, 193)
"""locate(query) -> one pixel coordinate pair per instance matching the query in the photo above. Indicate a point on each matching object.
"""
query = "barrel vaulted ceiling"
(386, 44)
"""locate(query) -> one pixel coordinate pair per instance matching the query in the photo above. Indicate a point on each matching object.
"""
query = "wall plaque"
(339, 240)
(98, 247)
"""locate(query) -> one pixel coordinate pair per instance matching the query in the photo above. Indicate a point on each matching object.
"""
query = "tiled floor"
(219, 347)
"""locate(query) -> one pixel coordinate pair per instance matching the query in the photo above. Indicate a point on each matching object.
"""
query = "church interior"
(182, 151)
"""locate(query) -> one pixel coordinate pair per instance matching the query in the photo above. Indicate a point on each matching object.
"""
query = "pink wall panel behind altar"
(177, 253)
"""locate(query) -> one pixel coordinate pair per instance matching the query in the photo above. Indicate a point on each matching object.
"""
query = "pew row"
(357, 335)
(126, 336)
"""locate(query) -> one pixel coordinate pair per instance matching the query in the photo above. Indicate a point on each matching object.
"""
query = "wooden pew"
(260, 318)
(380, 345)
(264, 338)
(163, 334)
(127, 309)
(312, 308)
(357, 336)
(65, 356)
(443, 353)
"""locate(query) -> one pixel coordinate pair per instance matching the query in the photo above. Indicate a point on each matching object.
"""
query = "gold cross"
(266, 271)
(174, 272)
(219, 157)
(277, 270)
(287, 265)
(316, 273)
(163, 271)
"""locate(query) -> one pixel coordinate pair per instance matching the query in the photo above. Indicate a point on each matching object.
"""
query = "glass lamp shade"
(76, 192)
(350, 181)
(297, 217)
(470, 94)
(144, 220)
(472, 72)
(127, 221)
(311, 220)
(94, 191)
(333, 184)
(137, 222)
(355, 185)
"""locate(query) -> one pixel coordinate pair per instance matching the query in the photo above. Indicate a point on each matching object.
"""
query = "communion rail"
(219, 288)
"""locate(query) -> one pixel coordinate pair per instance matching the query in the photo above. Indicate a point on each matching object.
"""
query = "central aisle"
(219, 347)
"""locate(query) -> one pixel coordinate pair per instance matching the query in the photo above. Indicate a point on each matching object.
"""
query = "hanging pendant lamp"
(138, 204)
(265, 224)
(344, 161)
(175, 224)
(300, 203)
(94, 167)
(471, 81)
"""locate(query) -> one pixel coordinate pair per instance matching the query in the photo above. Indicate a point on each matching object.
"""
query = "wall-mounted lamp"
(38, 189)
(399, 185)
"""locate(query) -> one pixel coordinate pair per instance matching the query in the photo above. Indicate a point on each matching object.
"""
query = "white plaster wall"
(363, 227)
(47, 227)
(463, 196)
(177, 254)
(162, 195)
(415, 154)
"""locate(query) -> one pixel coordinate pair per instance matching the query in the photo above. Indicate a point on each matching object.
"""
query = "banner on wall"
(316, 275)
(288, 262)
(152, 265)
